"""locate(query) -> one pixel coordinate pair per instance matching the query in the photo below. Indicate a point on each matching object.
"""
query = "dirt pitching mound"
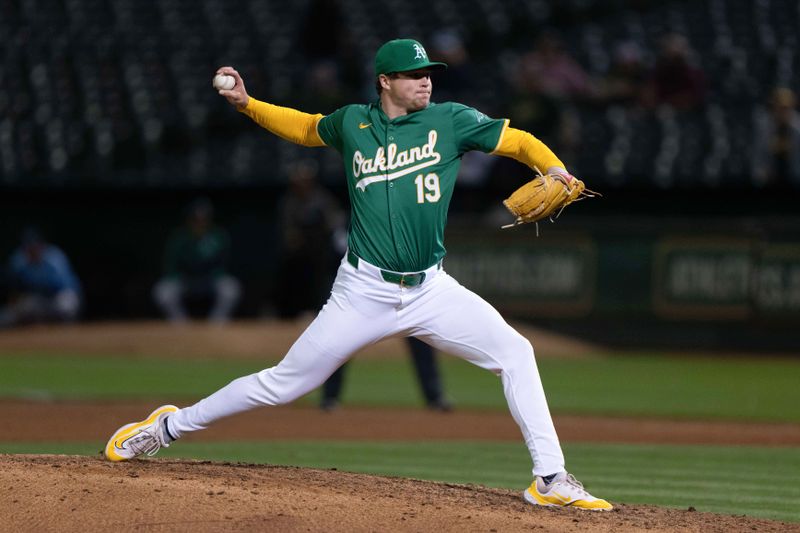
(66, 493)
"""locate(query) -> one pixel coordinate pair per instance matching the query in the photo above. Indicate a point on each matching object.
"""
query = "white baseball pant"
(364, 309)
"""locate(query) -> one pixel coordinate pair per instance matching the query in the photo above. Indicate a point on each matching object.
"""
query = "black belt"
(404, 280)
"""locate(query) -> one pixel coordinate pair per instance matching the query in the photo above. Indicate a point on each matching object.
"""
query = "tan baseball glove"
(544, 197)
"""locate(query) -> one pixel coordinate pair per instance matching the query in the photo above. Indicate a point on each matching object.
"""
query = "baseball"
(223, 81)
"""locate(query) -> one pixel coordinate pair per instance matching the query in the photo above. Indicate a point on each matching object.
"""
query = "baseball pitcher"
(402, 154)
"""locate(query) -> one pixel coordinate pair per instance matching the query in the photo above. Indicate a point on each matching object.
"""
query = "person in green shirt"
(196, 267)
(401, 159)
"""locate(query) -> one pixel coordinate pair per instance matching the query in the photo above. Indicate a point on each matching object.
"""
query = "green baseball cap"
(402, 55)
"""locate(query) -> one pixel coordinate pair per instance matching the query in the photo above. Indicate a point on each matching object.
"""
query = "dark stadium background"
(109, 127)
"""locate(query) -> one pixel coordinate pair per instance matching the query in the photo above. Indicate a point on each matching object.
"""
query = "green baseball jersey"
(192, 257)
(401, 174)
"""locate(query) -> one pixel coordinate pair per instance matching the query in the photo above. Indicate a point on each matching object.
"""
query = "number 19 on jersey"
(428, 188)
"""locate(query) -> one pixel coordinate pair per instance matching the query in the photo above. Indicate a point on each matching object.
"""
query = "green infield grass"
(657, 385)
(760, 482)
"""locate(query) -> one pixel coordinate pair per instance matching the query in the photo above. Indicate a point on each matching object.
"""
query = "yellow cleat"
(563, 491)
(145, 437)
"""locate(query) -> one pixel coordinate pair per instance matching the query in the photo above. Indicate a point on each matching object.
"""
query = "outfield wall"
(711, 282)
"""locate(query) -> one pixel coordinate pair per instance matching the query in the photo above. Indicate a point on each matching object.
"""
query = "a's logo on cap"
(420, 52)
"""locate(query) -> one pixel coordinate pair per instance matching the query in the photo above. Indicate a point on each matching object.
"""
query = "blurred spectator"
(322, 29)
(535, 112)
(427, 370)
(312, 226)
(675, 81)
(549, 69)
(625, 82)
(323, 91)
(546, 81)
(325, 35)
(776, 142)
(195, 268)
(43, 287)
(457, 82)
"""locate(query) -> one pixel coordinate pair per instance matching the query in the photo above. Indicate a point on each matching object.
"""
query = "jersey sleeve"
(476, 131)
(331, 130)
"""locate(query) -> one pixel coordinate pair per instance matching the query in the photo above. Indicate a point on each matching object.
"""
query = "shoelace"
(146, 442)
(570, 480)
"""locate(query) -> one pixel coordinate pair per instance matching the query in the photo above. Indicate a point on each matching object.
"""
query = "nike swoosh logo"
(564, 499)
(362, 126)
(120, 442)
